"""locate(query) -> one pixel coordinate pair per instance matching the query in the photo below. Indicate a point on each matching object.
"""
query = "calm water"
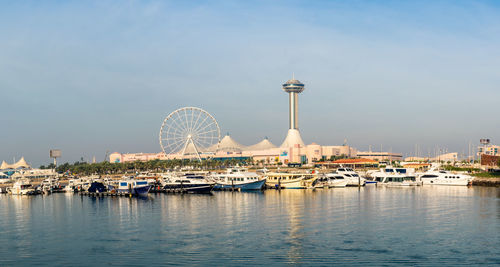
(369, 226)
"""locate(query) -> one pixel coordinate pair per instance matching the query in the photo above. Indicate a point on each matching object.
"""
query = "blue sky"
(93, 76)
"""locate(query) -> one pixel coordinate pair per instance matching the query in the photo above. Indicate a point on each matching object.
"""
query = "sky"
(89, 77)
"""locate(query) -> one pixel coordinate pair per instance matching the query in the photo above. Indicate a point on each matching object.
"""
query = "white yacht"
(22, 187)
(396, 177)
(333, 179)
(352, 177)
(4, 178)
(442, 177)
(239, 178)
(290, 180)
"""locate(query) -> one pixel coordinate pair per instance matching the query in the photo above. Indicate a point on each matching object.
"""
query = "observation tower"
(293, 88)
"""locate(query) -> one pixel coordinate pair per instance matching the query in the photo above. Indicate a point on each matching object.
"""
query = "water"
(351, 226)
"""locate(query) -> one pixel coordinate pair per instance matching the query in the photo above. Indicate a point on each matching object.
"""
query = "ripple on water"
(370, 226)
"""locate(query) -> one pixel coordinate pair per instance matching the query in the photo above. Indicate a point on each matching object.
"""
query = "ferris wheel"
(189, 131)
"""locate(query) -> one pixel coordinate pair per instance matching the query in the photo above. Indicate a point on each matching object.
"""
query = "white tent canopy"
(262, 145)
(227, 144)
(20, 164)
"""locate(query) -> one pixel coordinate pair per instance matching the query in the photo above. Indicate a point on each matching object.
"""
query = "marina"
(428, 225)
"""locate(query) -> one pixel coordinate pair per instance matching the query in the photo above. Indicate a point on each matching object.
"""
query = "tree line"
(105, 167)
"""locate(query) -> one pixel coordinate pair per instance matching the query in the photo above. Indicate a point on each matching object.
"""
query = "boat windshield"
(401, 170)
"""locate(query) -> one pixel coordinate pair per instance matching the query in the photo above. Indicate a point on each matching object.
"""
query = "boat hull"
(441, 182)
(293, 184)
(256, 185)
(191, 188)
(337, 183)
(137, 191)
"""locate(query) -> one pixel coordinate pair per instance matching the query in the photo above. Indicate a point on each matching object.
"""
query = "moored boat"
(240, 179)
(22, 187)
(134, 187)
(445, 178)
(352, 177)
(287, 180)
(189, 183)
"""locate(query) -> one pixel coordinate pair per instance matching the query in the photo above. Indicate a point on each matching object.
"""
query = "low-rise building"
(381, 156)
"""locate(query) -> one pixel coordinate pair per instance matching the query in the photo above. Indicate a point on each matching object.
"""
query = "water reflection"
(370, 226)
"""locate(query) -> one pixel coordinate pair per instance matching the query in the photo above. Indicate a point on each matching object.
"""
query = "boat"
(336, 180)
(133, 187)
(395, 177)
(240, 179)
(352, 177)
(22, 187)
(434, 177)
(4, 178)
(97, 187)
(189, 182)
(287, 180)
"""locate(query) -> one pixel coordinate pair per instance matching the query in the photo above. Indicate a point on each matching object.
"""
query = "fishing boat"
(240, 179)
(134, 187)
(22, 187)
(442, 177)
(287, 180)
(189, 182)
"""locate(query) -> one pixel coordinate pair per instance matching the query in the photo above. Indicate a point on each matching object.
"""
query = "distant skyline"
(88, 77)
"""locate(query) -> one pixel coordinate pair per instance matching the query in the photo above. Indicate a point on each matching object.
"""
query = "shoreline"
(481, 181)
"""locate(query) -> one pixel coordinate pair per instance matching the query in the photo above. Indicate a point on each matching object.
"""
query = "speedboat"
(133, 187)
(352, 177)
(290, 180)
(22, 187)
(189, 182)
(239, 178)
(442, 177)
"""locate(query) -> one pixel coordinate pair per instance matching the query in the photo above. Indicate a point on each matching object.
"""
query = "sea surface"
(371, 226)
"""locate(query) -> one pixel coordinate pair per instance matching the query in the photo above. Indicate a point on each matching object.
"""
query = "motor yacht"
(22, 187)
(290, 180)
(239, 178)
(396, 177)
(189, 182)
(133, 187)
(352, 177)
(442, 177)
(333, 179)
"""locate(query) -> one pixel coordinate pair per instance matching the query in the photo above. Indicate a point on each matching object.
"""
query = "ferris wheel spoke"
(190, 121)
(188, 124)
(174, 143)
(195, 124)
(201, 145)
(182, 121)
(177, 146)
(174, 121)
(201, 124)
(176, 132)
(206, 132)
(206, 126)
